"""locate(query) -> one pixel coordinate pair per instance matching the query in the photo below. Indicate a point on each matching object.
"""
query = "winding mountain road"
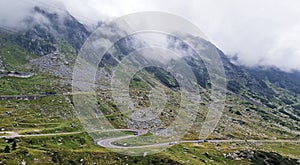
(108, 143)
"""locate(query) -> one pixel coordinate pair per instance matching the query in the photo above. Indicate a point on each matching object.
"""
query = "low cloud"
(259, 32)
(12, 12)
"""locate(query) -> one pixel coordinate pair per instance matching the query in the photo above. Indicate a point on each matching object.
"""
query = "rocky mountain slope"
(261, 103)
(45, 29)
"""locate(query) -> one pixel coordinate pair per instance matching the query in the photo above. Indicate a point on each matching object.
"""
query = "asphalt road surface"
(108, 143)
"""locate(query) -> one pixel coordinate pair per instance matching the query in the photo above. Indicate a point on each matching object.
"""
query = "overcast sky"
(259, 32)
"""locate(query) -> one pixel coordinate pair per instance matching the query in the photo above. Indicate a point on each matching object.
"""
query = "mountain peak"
(45, 27)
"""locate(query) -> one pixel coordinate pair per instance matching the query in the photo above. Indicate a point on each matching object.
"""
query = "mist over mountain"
(40, 124)
(45, 28)
(258, 33)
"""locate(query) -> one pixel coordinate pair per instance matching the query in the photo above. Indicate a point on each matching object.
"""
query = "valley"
(39, 123)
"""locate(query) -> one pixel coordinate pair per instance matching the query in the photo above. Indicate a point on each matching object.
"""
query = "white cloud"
(262, 32)
(286, 50)
(12, 12)
(258, 31)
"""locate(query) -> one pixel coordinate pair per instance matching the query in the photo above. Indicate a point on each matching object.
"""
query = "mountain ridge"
(261, 103)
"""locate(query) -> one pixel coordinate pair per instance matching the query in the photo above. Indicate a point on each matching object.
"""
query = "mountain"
(286, 80)
(261, 103)
(47, 39)
(54, 28)
(52, 39)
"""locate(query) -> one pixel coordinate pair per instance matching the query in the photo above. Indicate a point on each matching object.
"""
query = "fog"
(258, 32)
